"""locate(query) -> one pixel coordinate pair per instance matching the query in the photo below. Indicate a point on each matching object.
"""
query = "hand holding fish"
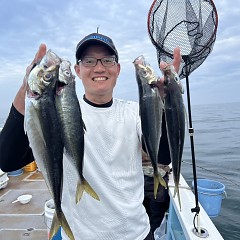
(38, 57)
(176, 64)
(145, 156)
(19, 101)
(176, 60)
(151, 109)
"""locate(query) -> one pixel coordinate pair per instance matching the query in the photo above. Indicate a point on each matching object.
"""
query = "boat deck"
(180, 222)
(18, 221)
(26, 222)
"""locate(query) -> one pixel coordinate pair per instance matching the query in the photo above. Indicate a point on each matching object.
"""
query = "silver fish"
(151, 110)
(72, 125)
(175, 122)
(43, 129)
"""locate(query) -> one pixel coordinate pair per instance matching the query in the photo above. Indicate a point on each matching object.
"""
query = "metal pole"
(191, 131)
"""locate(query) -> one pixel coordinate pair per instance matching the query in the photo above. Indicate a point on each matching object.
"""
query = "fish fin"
(37, 123)
(158, 179)
(176, 191)
(84, 186)
(65, 225)
(79, 193)
(54, 227)
(162, 181)
(90, 190)
(40, 132)
(29, 105)
(27, 102)
(156, 183)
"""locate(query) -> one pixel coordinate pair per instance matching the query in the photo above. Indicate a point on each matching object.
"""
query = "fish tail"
(79, 192)
(84, 186)
(65, 225)
(176, 191)
(162, 181)
(54, 227)
(158, 179)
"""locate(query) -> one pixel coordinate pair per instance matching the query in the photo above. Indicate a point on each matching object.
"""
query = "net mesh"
(188, 24)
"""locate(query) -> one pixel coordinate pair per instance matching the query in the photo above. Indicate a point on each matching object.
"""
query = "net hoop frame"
(186, 59)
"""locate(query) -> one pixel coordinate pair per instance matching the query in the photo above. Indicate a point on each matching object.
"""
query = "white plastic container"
(23, 199)
(3, 179)
(49, 209)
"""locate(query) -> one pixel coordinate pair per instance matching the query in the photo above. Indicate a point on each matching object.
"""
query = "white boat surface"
(180, 222)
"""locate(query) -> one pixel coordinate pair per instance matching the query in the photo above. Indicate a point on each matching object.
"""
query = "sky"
(62, 24)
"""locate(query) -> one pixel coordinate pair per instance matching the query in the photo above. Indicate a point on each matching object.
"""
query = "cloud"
(61, 24)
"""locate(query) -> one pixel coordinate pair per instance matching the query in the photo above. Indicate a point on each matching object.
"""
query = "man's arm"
(15, 152)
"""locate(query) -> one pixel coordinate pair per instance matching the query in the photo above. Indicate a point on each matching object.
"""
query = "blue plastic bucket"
(210, 195)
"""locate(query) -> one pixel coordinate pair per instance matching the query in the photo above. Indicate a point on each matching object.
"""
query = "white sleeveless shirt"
(113, 168)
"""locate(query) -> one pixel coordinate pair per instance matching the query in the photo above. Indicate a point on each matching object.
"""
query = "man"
(112, 157)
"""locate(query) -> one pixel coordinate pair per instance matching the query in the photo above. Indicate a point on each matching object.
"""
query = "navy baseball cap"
(95, 38)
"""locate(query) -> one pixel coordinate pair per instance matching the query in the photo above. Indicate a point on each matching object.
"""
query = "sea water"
(217, 153)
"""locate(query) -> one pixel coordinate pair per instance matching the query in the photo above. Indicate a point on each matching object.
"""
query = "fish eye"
(47, 76)
(67, 73)
(176, 79)
(143, 71)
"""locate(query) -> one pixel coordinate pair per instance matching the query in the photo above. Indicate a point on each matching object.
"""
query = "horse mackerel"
(42, 127)
(175, 122)
(151, 110)
(72, 125)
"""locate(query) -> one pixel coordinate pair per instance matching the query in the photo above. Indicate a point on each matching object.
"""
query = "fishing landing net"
(190, 25)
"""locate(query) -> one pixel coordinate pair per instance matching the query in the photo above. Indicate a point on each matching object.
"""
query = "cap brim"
(90, 42)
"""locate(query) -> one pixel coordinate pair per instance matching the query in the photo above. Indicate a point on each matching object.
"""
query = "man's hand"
(176, 63)
(38, 57)
(145, 157)
(176, 60)
(19, 101)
